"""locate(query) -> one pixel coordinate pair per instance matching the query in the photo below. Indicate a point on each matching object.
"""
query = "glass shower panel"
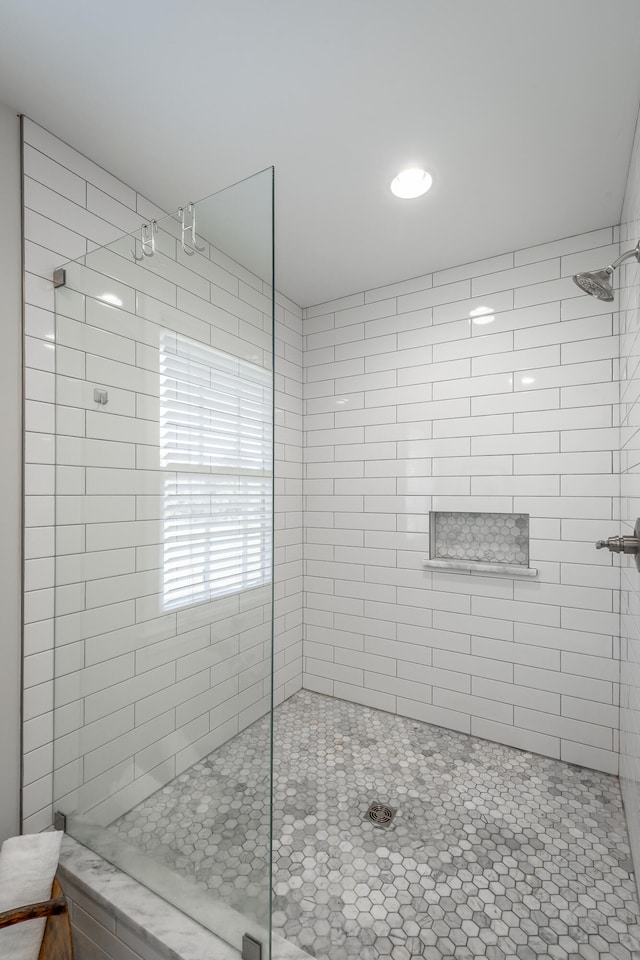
(164, 545)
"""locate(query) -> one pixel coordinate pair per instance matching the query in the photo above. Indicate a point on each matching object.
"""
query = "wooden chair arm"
(33, 911)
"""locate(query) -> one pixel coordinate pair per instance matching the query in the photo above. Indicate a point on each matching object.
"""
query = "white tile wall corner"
(11, 475)
(288, 539)
(628, 296)
(412, 406)
(72, 205)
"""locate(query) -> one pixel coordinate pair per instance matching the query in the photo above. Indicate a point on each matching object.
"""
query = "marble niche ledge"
(114, 916)
(481, 566)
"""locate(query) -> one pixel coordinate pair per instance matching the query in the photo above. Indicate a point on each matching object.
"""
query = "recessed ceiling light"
(411, 183)
(482, 315)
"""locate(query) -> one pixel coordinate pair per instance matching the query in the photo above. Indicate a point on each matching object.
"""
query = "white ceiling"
(523, 111)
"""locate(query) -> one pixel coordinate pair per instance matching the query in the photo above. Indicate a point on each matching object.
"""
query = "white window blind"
(216, 446)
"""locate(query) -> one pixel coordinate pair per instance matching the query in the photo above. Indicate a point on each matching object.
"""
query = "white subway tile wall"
(177, 692)
(628, 296)
(412, 404)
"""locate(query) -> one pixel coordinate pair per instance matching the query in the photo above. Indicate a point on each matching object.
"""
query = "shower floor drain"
(380, 814)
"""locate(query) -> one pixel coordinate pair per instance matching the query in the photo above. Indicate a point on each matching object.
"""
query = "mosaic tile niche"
(485, 537)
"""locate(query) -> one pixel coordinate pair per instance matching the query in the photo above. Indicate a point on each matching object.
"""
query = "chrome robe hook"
(147, 240)
(189, 228)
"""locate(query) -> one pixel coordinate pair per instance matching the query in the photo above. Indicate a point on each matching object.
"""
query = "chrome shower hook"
(189, 248)
(147, 240)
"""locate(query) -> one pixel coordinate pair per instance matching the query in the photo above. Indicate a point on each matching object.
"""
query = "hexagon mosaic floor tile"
(491, 852)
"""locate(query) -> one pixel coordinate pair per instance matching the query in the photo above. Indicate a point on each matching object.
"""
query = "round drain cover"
(380, 813)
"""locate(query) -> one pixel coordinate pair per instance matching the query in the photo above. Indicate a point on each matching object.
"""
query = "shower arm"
(626, 256)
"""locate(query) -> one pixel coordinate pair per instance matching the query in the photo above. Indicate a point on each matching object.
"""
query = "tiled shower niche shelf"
(480, 542)
(481, 566)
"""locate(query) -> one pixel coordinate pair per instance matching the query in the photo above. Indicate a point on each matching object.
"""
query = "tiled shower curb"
(117, 918)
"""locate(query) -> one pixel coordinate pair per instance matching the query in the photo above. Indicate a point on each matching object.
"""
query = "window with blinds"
(216, 446)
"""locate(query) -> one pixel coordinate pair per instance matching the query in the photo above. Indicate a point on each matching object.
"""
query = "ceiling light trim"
(411, 183)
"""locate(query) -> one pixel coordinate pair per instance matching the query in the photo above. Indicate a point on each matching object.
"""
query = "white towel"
(27, 867)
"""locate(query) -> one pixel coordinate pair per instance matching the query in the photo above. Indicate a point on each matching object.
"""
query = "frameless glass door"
(164, 543)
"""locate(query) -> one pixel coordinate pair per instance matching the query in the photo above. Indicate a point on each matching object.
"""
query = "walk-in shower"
(409, 797)
(164, 547)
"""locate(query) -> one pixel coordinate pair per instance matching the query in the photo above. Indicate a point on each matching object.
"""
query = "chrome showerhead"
(598, 283)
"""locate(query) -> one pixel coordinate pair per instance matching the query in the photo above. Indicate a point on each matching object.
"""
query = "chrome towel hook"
(189, 228)
(147, 240)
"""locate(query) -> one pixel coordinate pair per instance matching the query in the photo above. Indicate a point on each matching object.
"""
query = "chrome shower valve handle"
(626, 544)
(619, 544)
